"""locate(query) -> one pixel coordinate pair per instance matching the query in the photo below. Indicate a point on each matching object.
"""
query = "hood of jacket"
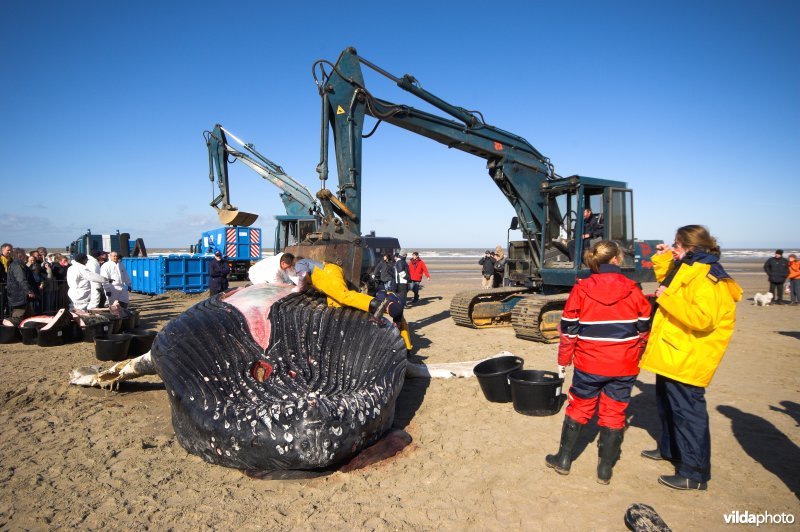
(608, 286)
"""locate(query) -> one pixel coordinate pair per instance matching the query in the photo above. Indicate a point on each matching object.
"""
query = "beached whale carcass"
(263, 379)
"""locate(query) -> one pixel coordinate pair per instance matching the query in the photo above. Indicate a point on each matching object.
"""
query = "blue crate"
(156, 275)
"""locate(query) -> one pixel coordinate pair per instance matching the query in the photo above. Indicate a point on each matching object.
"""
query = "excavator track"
(536, 317)
(481, 309)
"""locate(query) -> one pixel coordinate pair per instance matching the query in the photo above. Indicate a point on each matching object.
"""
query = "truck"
(542, 267)
(118, 242)
(240, 246)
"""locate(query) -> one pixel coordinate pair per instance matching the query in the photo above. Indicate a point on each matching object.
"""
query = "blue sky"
(696, 105)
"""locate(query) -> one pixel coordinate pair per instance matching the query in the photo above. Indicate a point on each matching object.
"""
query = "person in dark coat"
(487, 261)
(218, 271)
(400, 276)
(59, 267)
(383, 274)
(777, 269)
(591, 229)
(18, 287)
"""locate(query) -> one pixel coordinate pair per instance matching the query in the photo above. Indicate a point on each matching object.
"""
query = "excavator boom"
(296, 198)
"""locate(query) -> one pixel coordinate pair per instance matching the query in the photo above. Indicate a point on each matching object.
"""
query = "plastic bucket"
(112, 347)
(50, 337)
(115, 325)
(129, 323)
(30, 332)
(493, 374)
(536, 393)
(73, 332)
(140, 342)
(8, 334)
(96, 329)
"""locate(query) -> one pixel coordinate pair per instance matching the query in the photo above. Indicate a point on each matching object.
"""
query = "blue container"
(235, 243)
(156, 275)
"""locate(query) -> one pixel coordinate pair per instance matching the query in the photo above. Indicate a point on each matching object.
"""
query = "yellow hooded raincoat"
(693, 324)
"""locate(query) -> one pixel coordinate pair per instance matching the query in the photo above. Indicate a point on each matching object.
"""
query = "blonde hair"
(602, 252)
(697, 237)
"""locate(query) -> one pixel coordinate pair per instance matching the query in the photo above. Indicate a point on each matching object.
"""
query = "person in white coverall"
(273, 270)
(80, 279)
(117, 289)
(93, 265)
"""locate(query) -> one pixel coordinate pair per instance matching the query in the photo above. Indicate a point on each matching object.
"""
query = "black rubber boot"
(562, 461)
(608, 450)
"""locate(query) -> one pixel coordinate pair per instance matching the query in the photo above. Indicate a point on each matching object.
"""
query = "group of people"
(301, 273)
(27, 277)
(609, 331)
(781, 272)
(98, 280)
(393, 274)
(89, 281)
(493, 268)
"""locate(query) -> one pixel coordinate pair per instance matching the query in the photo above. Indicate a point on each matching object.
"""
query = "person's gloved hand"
(562, 371)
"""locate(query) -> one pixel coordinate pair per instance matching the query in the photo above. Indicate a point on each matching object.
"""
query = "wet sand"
(89, 458)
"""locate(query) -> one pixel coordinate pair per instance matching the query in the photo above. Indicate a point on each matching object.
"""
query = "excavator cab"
(563, 243)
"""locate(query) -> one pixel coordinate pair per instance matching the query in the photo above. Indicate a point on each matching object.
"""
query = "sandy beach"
(95, 459)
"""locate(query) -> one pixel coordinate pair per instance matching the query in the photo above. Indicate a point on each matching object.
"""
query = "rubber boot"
(608, 451)
(562, 461)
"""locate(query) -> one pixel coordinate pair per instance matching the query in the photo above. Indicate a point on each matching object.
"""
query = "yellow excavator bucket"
(236, 217)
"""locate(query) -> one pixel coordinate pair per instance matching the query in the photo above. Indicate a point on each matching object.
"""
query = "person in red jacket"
(416, 269)
(604, 330)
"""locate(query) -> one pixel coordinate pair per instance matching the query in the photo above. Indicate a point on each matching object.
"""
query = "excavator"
(302, 210)
(542, 266)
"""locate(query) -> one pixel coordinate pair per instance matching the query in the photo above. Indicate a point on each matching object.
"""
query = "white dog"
(762, 299)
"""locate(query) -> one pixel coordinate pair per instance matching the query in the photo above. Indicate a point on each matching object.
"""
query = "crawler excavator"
(542, 267)
(303, 212)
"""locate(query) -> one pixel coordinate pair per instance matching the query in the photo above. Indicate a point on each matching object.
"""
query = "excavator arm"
(515, 166)
(296, 198)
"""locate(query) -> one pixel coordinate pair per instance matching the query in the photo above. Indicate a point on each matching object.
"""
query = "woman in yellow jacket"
(692, 327)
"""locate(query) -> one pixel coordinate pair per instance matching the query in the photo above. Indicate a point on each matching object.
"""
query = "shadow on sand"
(767, 445)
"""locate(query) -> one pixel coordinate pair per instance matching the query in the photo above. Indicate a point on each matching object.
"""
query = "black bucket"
(493, 377)
(96, 329)
(536, 393)
(140, 342)
(129, 323)
(73, 332)
(115, 325)
(8, 334)
(112, 347)
(30, 332)
(50, 337)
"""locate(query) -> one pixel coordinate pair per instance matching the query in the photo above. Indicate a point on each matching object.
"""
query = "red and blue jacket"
(605, 324)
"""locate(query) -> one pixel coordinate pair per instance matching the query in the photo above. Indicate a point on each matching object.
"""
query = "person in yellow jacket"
(693, 323)
(329, 279)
